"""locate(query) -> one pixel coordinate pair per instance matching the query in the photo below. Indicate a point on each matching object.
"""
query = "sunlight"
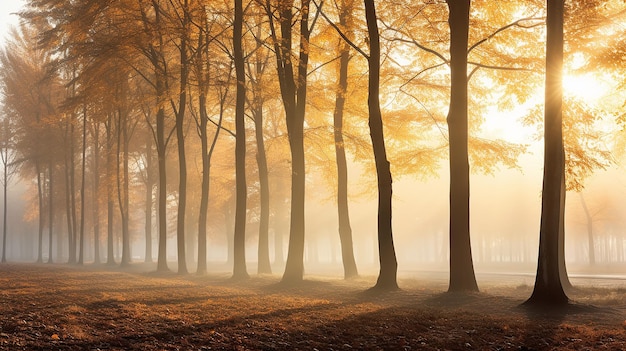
(586, 87)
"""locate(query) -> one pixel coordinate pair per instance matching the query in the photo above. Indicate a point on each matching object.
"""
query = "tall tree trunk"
(239, 264)
(263, 253)
(180, 137)
(162, 189)
(264, 265)
(293, 91)
(72, 170)
(345, 230)
(81, 249)
(96, 198)
(50, 209)
(5, 176)
(387, 254)
(204, 195)
(462, 277)
(41, 218)
(148, 200)
(123, 184)
(109, 185)
(548, 285)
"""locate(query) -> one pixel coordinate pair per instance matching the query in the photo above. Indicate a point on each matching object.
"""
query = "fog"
(505, 212)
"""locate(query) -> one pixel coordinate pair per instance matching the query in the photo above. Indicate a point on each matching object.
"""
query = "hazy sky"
(7, 18)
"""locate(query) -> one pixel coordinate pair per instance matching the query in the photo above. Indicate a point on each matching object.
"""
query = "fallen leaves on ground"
(62, 307)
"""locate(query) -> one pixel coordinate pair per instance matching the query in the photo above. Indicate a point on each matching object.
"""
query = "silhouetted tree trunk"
(96, 188)
(123, 184)
(293, 91)
(5, 178)
(462, 277)
(50, 208)
(180, 137)
(345, 230)
(548, 285)
(109, 186)
(386, 250)
(81, 248)
(239, 266)
(148, 200)
(263, 253)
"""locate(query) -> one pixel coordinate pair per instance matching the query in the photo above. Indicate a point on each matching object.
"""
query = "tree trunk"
(180, 137)
(345, 230)
(96, 198)
(548, 288)
(239, 264)
(81, 249)
(148, 200)
(123, 184)
(462, 277)
(264, 265)
(162, 188)
(386, 250)
(5, 151)
(109, 184)
(294, 99)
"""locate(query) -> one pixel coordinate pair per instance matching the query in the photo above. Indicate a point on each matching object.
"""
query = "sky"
(7, 16)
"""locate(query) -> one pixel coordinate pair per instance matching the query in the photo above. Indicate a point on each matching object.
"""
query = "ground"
(63, 307)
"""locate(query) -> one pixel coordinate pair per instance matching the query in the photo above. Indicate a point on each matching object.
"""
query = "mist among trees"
(336, 137)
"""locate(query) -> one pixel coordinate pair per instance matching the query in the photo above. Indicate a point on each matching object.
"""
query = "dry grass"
(59, 307)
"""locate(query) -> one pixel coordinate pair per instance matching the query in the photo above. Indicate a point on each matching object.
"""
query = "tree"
(462, 276)
(548, 288)
(293, 89)
(345, 230)
(8, 157)
(239, 269)
(387, 254)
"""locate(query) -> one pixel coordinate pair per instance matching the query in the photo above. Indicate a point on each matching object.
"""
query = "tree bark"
(548, 288)
(386, 251)
(345, 230)
(81, 249)
(462, 277)
(239, 265)
(180, 137)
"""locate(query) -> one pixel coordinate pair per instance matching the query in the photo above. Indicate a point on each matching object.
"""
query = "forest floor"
(62, 307)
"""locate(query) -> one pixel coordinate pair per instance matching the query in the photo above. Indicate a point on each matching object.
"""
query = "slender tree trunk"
(109, 185)
(72, 170)
(239, 266)
(387, 254)
(96, 198)
(264, 265)
(148, 199)
(204, 196)
(462, 277)
(50, 209)
(5, 152)
(123, 185)
(162, 189)
(180, 137)
(548, 284)
(81, 249)
(41, 218)
(345, 230)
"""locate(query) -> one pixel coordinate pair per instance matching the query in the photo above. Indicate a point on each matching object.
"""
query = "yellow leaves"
(55, 337)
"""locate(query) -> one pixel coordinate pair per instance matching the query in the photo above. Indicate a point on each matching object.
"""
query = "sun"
(587, 87)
